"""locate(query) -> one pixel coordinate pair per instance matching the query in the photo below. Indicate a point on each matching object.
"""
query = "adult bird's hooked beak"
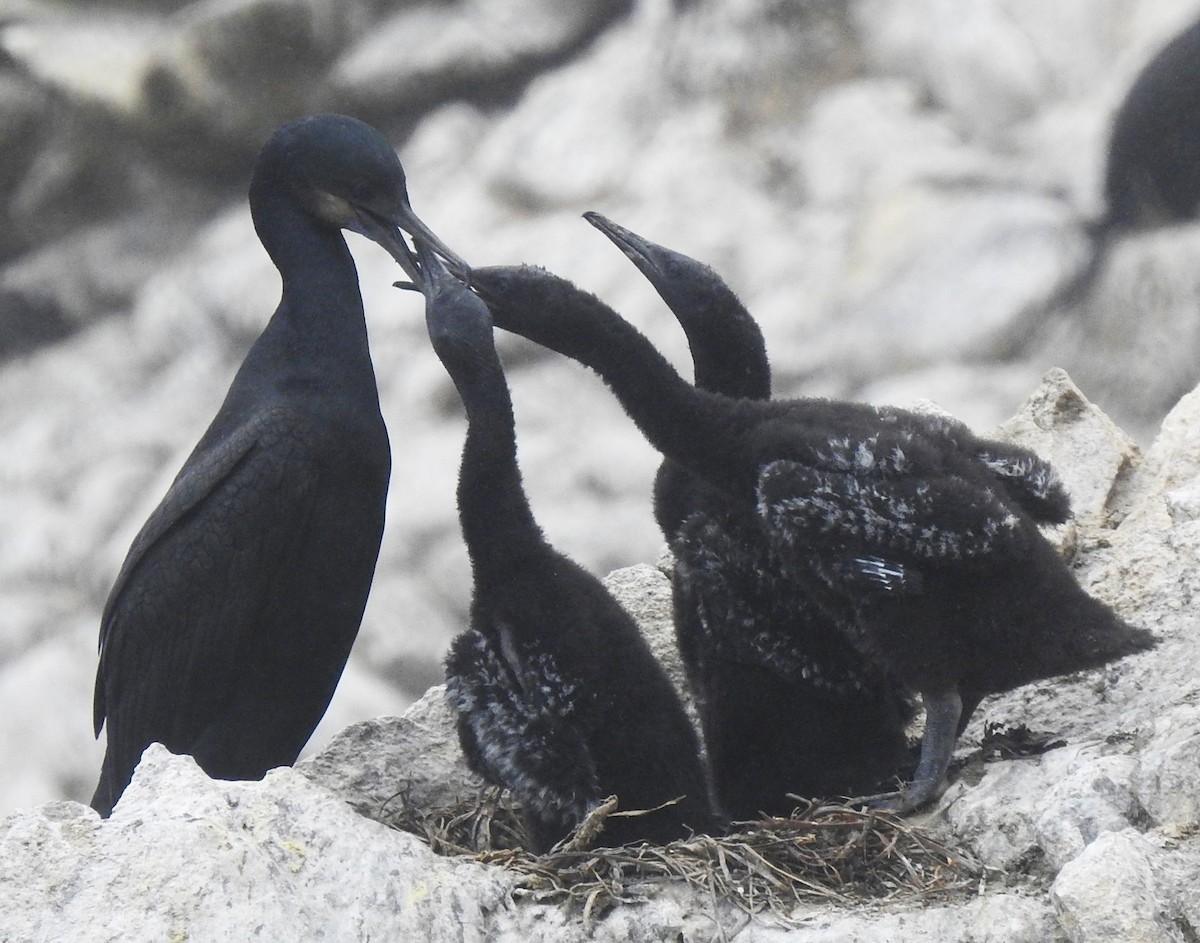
(431, 268)
(434, 271)
(387, 228)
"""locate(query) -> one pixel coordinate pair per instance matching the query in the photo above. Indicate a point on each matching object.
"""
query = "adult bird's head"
(346, 174)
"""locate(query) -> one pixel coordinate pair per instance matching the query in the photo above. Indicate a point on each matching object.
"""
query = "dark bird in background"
(1152, 167)
(1153, 172)
(232, 617)
(788, 704)
(917, 538)
(558, 697)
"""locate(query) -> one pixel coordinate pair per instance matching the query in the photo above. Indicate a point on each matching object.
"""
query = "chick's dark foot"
(942, 713)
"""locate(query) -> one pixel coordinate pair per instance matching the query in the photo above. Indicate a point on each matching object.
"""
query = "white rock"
(981, 396)
(997, 918)
(103, 58)
(644, 592)
(1134, 344)
(965, 298)
(1108, 893)
(977, 61)
(865, 139)
(1087, 449)
(1092, 798)
(52, 755)
(1169, 768)
(188, 857)
(412, 760)
(425, 52)
(996, 816)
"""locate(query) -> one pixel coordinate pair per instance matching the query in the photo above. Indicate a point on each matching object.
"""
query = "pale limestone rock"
(1108, 893)
(1173, 461)
(1169, 769)
(1090, 453)
(1002, 388)
(184, 857)
(995, 918)
(1092, 798)
(412, 761)
(993, 816)
(1134, 342)
(420, 55)
(871, 137)
(964, 298)
(103, 57)
(644, 592)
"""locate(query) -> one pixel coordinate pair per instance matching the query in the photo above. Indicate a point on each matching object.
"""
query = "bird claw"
(880, 801)
(899, 802)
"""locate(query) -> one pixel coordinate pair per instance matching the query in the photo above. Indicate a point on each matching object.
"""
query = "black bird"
(232, 617)
(920, 540)
(729, 355)
(788, 705)
(558, 697)
(1152, 175)
(1152, 165)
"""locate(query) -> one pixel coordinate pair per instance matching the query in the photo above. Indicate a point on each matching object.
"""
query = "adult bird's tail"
(102, 798)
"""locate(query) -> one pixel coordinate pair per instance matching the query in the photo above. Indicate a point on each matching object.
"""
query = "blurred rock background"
(900, 191)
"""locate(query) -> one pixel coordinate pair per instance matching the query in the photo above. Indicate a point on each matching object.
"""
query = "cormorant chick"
(558, 697)
(916, 537)
(232, 617)
(729, 355)
(789, 706)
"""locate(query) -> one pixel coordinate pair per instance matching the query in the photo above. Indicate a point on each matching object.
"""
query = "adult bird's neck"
(321, 312)
(497, 523)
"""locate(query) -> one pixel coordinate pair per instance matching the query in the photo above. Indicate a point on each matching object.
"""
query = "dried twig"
(822, 853)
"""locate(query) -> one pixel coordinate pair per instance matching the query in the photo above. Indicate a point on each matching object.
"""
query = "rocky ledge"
(1076, 797)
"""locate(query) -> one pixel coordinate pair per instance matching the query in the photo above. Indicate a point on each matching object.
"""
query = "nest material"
(822, 853)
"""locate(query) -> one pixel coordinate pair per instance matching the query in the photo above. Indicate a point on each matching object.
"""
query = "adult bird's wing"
(883, 532)
(195, 583)
(196, 480)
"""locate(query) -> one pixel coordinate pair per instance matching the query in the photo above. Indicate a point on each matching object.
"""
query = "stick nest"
(822, 853)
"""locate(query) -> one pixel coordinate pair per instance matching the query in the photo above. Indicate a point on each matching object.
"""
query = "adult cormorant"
(558, 697)
(788, 705)
(233, 615)
(918, 539)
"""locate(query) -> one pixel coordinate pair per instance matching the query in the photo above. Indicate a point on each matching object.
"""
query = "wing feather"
(884, 533)
(195, 585)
